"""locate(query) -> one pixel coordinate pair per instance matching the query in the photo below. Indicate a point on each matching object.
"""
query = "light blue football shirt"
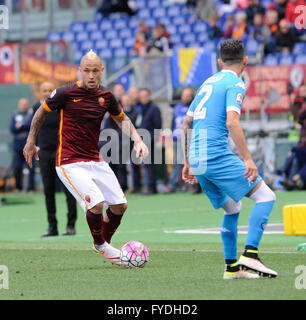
(219, 94)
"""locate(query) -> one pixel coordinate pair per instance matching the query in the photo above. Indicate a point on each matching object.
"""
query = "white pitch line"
(152, 250)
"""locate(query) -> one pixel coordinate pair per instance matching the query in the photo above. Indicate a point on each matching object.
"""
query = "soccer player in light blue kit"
(226, 179)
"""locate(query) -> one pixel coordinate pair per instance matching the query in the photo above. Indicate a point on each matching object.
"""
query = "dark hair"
(232, 51)
(146, 89)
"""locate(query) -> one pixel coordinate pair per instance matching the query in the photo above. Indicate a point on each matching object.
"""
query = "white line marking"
(152, 250)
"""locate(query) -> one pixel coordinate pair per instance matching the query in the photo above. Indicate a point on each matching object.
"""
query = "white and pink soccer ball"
(134, 254)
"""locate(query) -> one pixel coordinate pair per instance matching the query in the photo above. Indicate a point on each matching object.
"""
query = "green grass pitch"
(181, 266)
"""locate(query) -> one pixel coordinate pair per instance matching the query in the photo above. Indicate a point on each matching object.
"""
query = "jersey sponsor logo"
(87, 198)
(77, 100)
(101, 101)
(239, 98)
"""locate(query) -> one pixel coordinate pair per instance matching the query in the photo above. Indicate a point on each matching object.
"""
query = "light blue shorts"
(224, 179)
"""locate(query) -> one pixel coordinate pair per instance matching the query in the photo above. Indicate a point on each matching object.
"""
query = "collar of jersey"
(230, 71)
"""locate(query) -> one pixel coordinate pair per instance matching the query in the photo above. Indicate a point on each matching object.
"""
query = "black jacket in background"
(151, 118)
(47, 136)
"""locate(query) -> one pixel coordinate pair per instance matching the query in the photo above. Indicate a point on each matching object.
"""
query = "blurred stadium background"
(46, 39)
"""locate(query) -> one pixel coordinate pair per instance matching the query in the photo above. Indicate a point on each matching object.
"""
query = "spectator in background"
(296, 163)
(118, 91)
(230, 22)
(272, 21)
(284, 38)
(291, 13)
(150, 120)
(203, 9)
(179, 113)
(280, 7)
(134, 95)
(164, 32)
(240, 30)
(110, 6)
(142, 38)
(241, 4)
(124, 147)
(144, 28)
(47, 142)
(260, 31)
(253, 8)
(159, 43)
(214, 31)
(20, 127)
(141, 44)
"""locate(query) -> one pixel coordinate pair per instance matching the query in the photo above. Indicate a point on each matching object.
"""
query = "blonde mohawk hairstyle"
(91, 55)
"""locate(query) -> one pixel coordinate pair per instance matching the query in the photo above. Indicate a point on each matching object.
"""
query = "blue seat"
(115, 43)
(189, 37)
(202, 37)
(251, 46)
(210, 45)
(178, 21)
(129, 42)
(271, 60)
(120, 52)
(300, 59)
(165, 21)
(101, 44)
(176, 38)
(95, 35)
(133, 22)
(106, 24)
(184, 29)
(299, 48)
(125, 33)
(54, 36)
(151, 22)
(77, 56)
(286, 59)
(92, 26)
(141, 4)
(171, 29)
(81, 36)
(144, 14)
(193, 45)
(87, 45)
(105, 53)
(159, 12)
(173, 11)
(67, 36)
(111, 34)
(120, 24)
(77, 26)
(199, 27)
(152, 4)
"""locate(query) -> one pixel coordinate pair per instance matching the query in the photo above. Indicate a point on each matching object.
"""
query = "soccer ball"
(134, 254)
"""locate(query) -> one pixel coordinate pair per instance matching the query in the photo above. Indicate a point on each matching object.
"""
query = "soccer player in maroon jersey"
(81, 107)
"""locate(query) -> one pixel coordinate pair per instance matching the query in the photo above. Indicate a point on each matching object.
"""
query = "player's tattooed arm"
(126, 125)
(187, 174)
(187, 130)
(30, 149)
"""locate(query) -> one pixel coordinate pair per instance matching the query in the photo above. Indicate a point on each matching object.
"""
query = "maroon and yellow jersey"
(80, 114)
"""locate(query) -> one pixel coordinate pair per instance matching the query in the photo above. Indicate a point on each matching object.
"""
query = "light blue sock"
(257, 222)
(229, 236)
